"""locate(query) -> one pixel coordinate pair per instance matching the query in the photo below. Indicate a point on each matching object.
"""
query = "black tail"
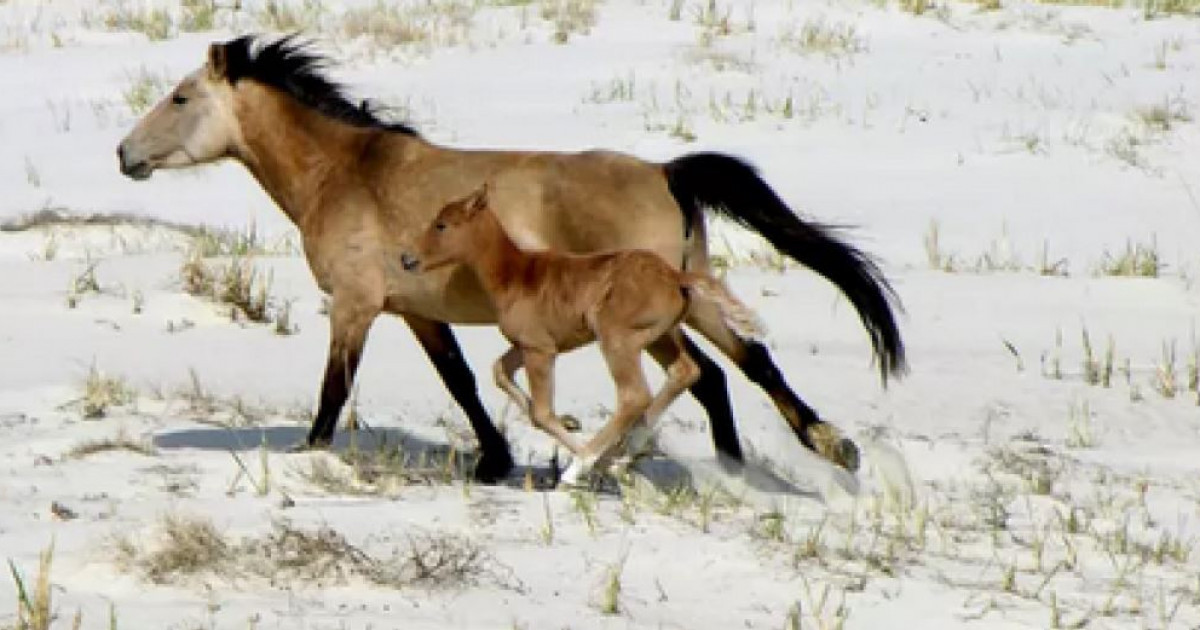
(733, 189)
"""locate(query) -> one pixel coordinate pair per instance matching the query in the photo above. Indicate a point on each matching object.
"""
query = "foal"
(549, 303)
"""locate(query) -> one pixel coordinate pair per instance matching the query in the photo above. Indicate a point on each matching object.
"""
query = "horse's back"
(589, 202)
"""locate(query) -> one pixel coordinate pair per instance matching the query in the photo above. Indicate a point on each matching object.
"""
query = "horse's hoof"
(308, 447)
(570, 423)
(828, 442)
(493, 468)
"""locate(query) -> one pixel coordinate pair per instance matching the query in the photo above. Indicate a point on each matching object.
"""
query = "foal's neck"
(494, 257)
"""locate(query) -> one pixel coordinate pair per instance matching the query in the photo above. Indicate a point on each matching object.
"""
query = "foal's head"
(450, 238)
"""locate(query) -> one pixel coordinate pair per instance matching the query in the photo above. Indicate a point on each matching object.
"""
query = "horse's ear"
(218, 61)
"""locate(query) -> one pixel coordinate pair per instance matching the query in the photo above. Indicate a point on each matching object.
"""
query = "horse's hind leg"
(495, 461)
(682, 373)
(755, 362)
(712, 392)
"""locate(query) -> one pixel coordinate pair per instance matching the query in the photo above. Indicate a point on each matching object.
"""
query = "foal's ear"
(479, 200)
(218, 61)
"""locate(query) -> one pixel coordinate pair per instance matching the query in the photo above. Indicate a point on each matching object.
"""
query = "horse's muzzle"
(410, 262)
(134, 170)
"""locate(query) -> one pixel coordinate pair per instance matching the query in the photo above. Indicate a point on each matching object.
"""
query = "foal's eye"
(179, 99)
(441, 227)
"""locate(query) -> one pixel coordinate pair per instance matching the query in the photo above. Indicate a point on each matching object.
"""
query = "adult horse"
(361, 189)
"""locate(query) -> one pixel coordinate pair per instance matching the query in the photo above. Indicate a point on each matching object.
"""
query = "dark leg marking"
(495, 462)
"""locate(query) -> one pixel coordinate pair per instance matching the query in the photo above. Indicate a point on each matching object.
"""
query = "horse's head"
(194, 124)
(448, 239)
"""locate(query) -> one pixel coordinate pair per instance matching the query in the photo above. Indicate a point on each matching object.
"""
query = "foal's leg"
(495, 460)
(755, 362)
(682, 373)
(712, 392)
(503, 371)
(622, 351)
(539, 367)
(350, 318)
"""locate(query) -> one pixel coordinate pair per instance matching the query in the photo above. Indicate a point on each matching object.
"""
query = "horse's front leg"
(495, 461)
(350, 318)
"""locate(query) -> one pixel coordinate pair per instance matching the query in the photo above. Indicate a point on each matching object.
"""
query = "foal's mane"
(292, 67)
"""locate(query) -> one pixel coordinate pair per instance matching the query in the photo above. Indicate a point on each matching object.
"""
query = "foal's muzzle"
(410, 262)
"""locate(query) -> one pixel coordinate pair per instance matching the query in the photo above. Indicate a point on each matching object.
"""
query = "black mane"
(290, 66)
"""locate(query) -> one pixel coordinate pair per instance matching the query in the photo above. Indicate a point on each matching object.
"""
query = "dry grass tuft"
(198, 15)
(236, 284)
(387, 468)
(153, 22)
(34, 610)
(101, 393)
(119, 442)
(190, 547)
(144, 89)
(288, 17)
(1137, 259)
(569, 17)
(817, 36)
(389, 25)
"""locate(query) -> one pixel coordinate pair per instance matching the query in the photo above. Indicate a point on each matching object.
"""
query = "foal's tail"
(733, 189)
(743, 321)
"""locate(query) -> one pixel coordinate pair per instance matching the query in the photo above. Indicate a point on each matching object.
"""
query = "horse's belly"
(446, 295)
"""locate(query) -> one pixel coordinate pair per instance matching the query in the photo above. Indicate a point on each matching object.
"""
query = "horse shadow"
(665, 473)
(365, 445)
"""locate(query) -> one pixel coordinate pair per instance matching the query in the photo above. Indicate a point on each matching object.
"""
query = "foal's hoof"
(493, 467)
(828, 442)
(577, 474)
(570, 423)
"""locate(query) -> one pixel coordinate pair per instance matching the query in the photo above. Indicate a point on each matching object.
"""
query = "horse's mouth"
(140, 171)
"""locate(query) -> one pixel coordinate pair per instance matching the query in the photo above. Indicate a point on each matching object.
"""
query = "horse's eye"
(439, 226)
(179, 99)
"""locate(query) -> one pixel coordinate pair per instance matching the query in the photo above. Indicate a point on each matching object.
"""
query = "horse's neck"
(293, 151)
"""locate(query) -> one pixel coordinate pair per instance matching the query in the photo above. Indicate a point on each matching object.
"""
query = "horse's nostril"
(121, 156)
